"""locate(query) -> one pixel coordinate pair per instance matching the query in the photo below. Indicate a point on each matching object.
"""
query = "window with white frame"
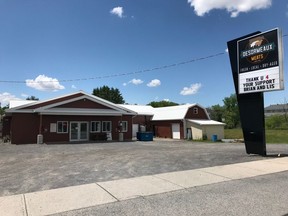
(124, 126)
(62, 127)
(195, 110)
(106, 126)
(95, 126)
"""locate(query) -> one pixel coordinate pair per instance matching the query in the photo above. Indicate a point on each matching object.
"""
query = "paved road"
(32, 168)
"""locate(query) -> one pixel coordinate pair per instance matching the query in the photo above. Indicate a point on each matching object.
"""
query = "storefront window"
(106, 126)
(95, 126)
(62, 127)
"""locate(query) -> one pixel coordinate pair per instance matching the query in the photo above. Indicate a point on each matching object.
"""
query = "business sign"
(260, 62)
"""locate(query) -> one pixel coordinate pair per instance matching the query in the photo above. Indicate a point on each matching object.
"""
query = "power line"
(123, 74)
(120, 74)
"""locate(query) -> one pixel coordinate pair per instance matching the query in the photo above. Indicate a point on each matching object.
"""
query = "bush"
(276, 122)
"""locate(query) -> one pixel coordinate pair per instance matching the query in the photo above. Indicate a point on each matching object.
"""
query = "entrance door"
(78, 131)
(135, 129)
(176, 131)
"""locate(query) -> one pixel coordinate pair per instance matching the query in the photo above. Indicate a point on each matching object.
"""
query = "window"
(62, 127)
(106, 126)
(124, 126)
(95, 126)
(195, 110)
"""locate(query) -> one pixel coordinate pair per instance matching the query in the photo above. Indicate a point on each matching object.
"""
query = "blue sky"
(50, 48)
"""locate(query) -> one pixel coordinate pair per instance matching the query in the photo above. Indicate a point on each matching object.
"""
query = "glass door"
(83, 131)
(73, 131)
(78, 131)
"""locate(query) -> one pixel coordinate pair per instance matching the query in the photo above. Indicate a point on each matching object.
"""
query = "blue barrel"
(214, 138)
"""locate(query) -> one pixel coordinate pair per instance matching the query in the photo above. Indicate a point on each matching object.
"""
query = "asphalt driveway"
(30, 168)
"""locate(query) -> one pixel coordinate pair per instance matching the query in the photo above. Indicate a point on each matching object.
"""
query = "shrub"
(276, 122)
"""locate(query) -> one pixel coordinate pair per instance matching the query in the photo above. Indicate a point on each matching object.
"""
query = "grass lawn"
(272, 136)
(233, 133)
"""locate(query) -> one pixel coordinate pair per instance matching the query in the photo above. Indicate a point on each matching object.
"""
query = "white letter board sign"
(260, 62)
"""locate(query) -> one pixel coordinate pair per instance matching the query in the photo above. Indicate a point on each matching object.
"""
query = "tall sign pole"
(257, 66)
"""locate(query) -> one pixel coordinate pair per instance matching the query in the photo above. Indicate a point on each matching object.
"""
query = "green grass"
(277, 136)
(272, 136)
(233, 133)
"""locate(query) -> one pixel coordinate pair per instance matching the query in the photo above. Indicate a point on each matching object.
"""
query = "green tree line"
(228, 113)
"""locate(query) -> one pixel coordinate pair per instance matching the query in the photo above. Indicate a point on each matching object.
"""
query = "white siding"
(207, 127)
(197, 133)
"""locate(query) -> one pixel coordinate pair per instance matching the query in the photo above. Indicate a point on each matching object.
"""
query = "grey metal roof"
(277, 107)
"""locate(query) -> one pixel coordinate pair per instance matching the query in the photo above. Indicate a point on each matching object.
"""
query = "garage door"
(176, 131)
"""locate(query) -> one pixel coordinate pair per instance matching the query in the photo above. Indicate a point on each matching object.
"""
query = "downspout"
(40, 135)
(40, 125)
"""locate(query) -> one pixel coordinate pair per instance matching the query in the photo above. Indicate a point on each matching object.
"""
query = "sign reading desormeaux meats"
(260, 62)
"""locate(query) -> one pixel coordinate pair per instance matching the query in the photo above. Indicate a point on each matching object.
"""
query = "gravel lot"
(29, 168)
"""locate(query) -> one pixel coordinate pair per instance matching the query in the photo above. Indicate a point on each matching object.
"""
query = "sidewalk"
(88, 195)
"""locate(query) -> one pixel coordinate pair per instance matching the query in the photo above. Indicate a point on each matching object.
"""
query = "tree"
(2, 110)
(32, 98)
(216, 112)
(111, 94)
(162, 103)
(231, 111)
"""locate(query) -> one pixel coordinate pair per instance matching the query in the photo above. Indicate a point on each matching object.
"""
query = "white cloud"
(136, 81)
(193, 89)
(167, 100)
(154, 83)
(73, 87)
(6, 97)
(44, 83)
(201, 7)
(118, 11)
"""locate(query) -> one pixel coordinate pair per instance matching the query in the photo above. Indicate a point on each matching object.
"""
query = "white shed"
(205, 128)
